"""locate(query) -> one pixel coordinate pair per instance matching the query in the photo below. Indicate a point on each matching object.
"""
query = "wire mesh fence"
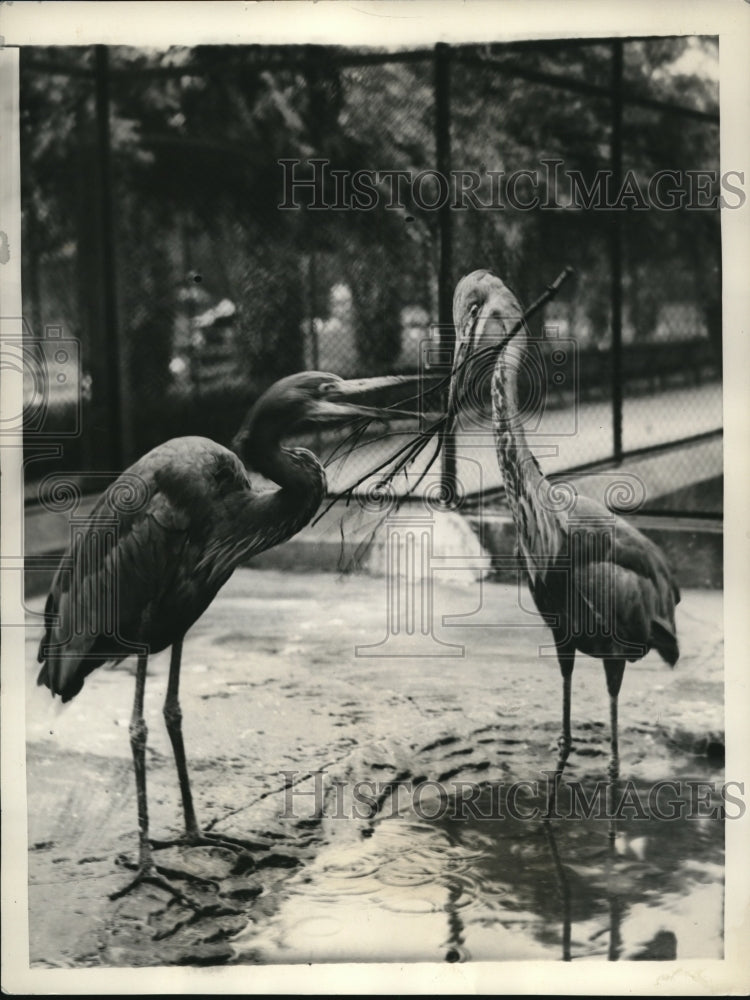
(204, 221)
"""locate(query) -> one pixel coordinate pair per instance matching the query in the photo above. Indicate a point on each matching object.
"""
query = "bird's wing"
(623, 592)
(620, 613)
(128, 556)
(632, 549)
(251, 525)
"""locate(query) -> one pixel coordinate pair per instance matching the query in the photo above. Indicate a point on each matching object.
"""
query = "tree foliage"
(196, 136)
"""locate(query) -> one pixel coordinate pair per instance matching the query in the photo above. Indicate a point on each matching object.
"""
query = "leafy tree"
(197, 134)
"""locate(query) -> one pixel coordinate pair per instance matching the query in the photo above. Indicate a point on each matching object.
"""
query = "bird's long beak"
(497, 319)
(451, 411)
(494, 328)
(478, 349)
(342, 403)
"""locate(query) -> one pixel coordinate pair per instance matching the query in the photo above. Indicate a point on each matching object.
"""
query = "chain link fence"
(205, 221)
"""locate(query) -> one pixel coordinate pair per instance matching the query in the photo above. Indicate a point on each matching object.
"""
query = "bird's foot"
(147, 873)
(202, 838)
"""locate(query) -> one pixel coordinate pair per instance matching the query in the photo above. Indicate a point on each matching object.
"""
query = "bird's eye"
(474, 310)
(326, 388)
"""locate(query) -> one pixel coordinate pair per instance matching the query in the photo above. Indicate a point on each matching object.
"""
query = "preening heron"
(603, 587)
(198, 518)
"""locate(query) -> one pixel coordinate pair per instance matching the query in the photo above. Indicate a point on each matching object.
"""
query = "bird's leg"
(173, 720)
(194, 836)
(614, 670)
(566, 658)
(147, 870)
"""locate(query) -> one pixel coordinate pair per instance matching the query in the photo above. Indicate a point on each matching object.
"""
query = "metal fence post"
(445, 225)
(110, 338)
(312, 79)
(616, 249)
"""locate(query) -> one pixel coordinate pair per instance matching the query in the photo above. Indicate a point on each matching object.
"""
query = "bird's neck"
(527, 489)
(521, 472)
(296, 470)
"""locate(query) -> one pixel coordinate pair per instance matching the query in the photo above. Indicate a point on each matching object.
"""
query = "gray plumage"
(601, 585)
(163, 540)
(200, 518)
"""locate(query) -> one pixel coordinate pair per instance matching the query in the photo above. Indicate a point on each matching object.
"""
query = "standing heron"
(198, 517)
(602, 587)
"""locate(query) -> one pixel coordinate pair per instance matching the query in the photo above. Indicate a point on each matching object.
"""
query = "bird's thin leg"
(138, 736)
(566, 658)
(146, 871)
(173, 719)
(614, 670)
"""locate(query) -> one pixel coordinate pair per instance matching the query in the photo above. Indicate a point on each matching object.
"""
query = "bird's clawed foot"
(200, 838)
(147, 873)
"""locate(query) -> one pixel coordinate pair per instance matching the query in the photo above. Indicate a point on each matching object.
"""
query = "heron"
(198, 517)
(603, 588)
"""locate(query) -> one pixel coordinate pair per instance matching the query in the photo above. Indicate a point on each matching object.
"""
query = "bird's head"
(310, 399)
(484, 313)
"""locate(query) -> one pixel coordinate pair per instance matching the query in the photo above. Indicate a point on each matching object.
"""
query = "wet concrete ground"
(274, 693)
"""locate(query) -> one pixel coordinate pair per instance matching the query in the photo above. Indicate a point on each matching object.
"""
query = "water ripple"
(504, 889)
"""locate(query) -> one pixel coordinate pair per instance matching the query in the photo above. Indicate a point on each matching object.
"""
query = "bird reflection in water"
(614, 902)
(606, 885)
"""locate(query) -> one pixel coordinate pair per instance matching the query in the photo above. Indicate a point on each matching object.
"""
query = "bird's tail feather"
(664, 641)
(65, 663)
(65, 680)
